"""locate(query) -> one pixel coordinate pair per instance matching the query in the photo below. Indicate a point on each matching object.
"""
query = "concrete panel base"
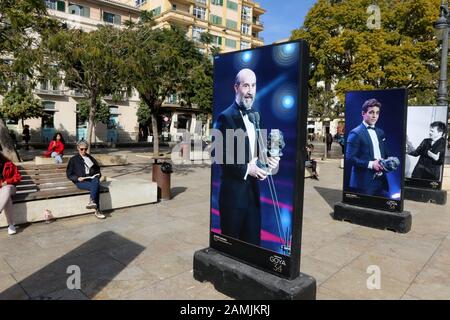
(241, 281)
(122, 193)
(40, 160)
(426, 195)
(373, 218)
(111, 160)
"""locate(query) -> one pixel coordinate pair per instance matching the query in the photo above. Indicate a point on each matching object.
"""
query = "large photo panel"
(375, 130)
(259, 116)
(426, 142)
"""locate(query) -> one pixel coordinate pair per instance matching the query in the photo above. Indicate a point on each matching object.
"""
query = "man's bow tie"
(246, 111)
(370, 127)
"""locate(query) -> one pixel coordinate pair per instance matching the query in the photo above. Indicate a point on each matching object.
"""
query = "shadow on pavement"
(58, 280)
(177, 190)
(331, 196)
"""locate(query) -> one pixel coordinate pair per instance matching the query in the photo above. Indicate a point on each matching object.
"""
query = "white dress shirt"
(251, 133)
(375, 143)
(87, 164)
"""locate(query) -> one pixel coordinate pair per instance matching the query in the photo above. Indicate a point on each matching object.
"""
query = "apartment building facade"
(234, 25)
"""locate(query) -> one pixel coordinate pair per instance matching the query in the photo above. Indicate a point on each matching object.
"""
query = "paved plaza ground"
(146, 252)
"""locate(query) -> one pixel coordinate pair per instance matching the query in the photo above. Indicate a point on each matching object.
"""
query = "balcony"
(76, 93)
(117, 97)
(49, 92)
(176, 16)
(257, 25)
(189, 2)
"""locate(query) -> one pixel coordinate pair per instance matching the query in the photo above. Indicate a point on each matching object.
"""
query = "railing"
(53, 92)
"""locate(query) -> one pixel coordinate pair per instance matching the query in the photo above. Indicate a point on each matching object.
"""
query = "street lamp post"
(442, 31)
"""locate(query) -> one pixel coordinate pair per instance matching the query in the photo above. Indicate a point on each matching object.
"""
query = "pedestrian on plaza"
(329, 141)
(83, 170)
(9, 177)
(26, 136)
(56, 148)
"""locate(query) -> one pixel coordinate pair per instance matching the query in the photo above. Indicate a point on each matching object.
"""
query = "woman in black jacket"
(84, 171)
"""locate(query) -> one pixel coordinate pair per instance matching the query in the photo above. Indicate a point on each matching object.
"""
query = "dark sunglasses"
(83, 149)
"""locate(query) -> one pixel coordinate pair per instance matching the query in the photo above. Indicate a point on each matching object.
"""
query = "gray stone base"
(426, 195)
(241, 281)
(378, 219)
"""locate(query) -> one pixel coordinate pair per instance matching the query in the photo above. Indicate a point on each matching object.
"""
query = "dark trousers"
(93, 186)
(242, 223)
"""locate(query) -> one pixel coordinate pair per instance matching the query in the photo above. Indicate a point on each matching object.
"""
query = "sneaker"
(91, 205)
(99, 215)
(11, 229)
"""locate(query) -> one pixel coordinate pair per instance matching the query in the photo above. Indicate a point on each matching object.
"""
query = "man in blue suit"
(366, 146)
(239, 203)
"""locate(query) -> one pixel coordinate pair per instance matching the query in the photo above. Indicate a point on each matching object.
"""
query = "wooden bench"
(46, 187)
(46, 182)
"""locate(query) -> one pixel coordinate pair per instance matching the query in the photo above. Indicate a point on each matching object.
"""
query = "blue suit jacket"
(358, 154)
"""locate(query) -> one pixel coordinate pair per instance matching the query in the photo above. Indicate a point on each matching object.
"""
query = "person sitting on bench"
(56, 148)
(84, 171)
(311, 163)
(9, 177)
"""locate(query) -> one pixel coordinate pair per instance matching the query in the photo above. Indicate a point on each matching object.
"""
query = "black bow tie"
(246, 111)
(370, 127)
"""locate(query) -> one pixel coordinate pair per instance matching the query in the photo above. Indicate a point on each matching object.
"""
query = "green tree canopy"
(159, 62)
(23, 26)
(348, 54)
(19, 104)
(102, 113)
(92, 63)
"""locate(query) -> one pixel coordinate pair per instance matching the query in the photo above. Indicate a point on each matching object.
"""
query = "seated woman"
(9, 177)
(56, 148)
(311, 163)
(84, 171)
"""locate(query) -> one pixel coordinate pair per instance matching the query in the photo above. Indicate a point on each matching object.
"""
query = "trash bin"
(161, 175)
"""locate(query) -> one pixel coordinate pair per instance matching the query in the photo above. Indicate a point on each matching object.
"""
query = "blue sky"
(282, 17)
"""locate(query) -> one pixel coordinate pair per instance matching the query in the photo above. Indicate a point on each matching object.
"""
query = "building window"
(232, 5)
(245, 29)
(216, 19)
(217, 2)
(230, 43)
(246, 13)
(201, 2)
(56, 5)
(156, 11)
(48, 115)
(217, 40)
(200, 13)
(79, 10)
(245, 45)
(139, 3)
(197, 32)
(113, 117)
(111, 17)
(232, 24)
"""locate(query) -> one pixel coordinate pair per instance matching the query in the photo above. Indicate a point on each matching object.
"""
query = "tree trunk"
(155, 135)
(7, 144)
(91, 121)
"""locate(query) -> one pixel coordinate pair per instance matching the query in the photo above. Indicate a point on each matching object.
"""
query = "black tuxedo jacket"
(235, 192)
